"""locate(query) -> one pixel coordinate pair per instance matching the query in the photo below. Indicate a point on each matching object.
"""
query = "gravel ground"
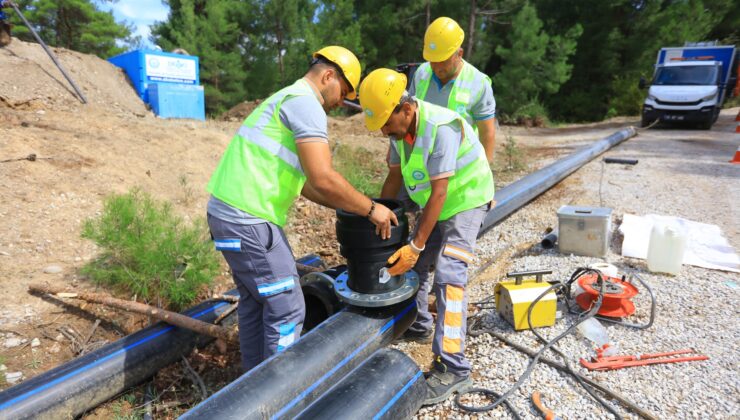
(681, 173)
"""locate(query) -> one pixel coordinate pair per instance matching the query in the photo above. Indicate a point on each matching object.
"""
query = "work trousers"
(271, 307)
(450, 248)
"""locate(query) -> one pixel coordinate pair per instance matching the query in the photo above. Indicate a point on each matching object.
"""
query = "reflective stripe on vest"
(467, 89)
(472, 184)
(260, 172)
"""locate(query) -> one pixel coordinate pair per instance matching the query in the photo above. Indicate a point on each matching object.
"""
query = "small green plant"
(362, 168)
(35, 361)
(187, 189)
(149, 251)
(513, 155)
(2, 373)
(531, 114)
(125, 408)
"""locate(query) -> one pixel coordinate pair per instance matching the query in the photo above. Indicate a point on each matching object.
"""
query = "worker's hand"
(382, 217)
(402, 260)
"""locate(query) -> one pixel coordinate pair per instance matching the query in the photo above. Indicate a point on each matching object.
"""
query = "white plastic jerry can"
(666, 249)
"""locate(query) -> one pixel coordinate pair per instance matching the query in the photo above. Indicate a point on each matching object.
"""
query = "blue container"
(145, 67)
(171, 100)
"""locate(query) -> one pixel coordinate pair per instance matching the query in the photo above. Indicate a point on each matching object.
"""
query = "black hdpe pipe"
(81, 384)
(389, 385)
(549, 241)
(521, 192)
(288, 382)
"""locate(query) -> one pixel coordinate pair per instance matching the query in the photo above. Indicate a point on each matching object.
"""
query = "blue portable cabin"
(168, 82)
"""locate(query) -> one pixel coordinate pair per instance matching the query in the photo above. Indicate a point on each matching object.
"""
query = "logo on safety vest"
(418, 175)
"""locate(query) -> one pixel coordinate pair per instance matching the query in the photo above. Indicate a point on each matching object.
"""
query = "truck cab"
(689, 85)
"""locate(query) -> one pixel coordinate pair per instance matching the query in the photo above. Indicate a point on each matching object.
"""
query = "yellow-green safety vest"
(467, 89)
(472, 184)
(260, 172)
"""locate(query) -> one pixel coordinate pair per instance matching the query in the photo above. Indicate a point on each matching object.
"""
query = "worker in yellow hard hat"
(447, 80)
(282, 151)
(436, 156)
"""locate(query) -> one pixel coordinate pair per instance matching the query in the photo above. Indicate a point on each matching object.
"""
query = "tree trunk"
(169, 317)
(429, 13)
(471, 29)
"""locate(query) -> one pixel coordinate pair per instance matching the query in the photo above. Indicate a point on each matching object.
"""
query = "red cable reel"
(617, 294)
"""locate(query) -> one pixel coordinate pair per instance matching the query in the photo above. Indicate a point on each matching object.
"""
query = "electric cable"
(524, 376)
(573, 309)
(568, 368)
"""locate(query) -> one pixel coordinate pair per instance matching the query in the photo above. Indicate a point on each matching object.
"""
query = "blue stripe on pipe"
(344, 361)
(309, 261)
(99, 361)
(398, 395)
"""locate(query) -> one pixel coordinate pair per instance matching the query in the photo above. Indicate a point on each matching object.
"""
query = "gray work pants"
(271, 307)
(451, 248)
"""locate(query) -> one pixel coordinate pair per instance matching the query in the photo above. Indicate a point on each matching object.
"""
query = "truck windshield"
(686, 75)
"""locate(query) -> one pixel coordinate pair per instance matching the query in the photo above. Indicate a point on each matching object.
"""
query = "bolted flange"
(407, 289)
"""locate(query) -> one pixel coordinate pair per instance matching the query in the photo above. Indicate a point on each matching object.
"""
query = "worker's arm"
(393, 182)
(487, 136)
(431, 212)
(310, 193)
(332, 190)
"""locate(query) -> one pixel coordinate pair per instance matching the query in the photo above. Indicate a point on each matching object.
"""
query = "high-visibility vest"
(467, 89)
(472, 184)
(260, 172)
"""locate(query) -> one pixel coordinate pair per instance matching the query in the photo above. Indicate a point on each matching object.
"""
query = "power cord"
(535, 359)
(582, 316)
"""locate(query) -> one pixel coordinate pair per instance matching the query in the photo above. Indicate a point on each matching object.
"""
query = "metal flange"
(376, 300)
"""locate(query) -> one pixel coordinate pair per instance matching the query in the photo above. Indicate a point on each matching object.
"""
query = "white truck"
(690, 84)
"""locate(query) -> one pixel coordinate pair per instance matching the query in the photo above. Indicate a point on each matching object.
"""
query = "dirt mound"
(31, 81)
(240, 111)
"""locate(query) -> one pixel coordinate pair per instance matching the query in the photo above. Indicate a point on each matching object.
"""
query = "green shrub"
(363, 169)
(149, 251)
(530, 114)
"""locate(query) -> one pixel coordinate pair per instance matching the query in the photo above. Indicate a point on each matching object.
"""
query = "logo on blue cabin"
(153, 62)
(418, 175)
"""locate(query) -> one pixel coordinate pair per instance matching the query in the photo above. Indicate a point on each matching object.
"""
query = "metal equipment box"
(513, 299)
(584, 230)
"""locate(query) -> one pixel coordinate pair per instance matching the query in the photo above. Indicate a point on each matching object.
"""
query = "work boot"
(441, 383)
(423, 337)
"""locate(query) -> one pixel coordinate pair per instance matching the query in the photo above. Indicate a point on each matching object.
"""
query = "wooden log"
(169, 317)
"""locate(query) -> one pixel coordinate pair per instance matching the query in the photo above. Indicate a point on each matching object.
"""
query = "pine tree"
(73, 24)
(210, 30)
(534, 63)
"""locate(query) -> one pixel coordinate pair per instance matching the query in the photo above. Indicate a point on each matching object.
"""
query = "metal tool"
(546, 412)
(618, 362)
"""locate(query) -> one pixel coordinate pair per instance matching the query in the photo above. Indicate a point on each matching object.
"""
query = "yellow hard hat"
(347, 62)
(442, 38)
(380, 92)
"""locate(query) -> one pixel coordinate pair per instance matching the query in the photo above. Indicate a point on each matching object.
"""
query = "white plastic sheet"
(705, 246)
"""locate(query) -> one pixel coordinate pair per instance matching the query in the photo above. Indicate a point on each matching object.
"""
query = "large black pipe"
(389, 385)
(73, 388)
(286, 383)
(521, 192)
(81, 384)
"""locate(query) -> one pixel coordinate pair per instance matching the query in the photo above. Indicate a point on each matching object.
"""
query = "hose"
(535, 359)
